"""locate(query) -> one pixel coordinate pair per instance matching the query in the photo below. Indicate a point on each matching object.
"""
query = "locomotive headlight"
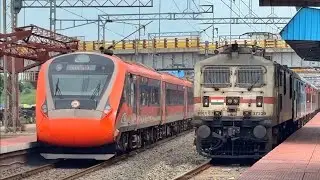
(229, 101)
(236, 101)
(205, 101)
(259, 101)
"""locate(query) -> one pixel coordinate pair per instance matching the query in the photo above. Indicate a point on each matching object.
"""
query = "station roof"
(302, 33)
(301, 3)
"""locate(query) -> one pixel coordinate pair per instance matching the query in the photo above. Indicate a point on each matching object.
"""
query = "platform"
(298, 158)
(27, 127)
(17, 143)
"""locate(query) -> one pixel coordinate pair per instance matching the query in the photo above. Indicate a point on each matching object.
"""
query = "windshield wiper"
(57, 89)
(250, 88)
(96, 91)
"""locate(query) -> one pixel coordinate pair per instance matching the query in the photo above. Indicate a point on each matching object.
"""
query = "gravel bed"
(164, 161)
(53, 174)
(33, 161)
(13, 169)
(64, 169)
(221, 173)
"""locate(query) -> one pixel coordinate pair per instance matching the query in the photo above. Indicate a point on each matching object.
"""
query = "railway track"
(90, 169)
(16, 157)
(30, 172)
(120, 158)
(195, 171)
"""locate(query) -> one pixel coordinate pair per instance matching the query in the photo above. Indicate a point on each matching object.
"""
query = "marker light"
(205, 101)
(259, 101)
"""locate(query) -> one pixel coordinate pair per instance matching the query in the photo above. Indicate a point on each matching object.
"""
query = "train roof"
(144, 70)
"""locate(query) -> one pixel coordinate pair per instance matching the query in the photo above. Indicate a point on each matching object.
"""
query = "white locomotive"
(246, 104)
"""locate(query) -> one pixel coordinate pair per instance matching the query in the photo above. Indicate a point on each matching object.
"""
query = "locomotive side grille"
(248, 76)
(216, 76)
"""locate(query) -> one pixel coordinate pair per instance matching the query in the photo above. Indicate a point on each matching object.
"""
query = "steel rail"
(8, 159)
(31, 172)
(122, 157)
(195, 171)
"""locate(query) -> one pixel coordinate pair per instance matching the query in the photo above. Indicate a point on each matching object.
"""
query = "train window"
(149, 92)
(284, 83)
(216, 76)
(174, 95)
(250, 76)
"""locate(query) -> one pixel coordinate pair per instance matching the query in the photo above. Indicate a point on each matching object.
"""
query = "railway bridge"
(173, 53)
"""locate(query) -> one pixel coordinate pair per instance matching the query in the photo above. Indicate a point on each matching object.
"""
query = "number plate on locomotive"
(259, 113)
(205, 113)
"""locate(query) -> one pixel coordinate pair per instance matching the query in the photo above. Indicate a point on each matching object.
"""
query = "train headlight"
(44, 108)
(233, 100)
(259, 101)
(107, 110)
(205, 101)
(229, 101)
(236, 101)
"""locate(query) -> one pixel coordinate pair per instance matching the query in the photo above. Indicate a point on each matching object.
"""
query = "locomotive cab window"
(215, 76)
(250, 77)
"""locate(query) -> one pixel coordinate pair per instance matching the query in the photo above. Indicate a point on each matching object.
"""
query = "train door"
(163, 102)
(138, 102)
(133, 98)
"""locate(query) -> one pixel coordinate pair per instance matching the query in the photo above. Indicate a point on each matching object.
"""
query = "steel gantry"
(102, 20)
(32, 43)
(54, 4)
(11, 9)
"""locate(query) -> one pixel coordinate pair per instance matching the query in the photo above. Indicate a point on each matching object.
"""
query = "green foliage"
(27, 92)
(28, 96)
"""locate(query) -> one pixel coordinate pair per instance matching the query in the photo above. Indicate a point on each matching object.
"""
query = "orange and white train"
(94, 105)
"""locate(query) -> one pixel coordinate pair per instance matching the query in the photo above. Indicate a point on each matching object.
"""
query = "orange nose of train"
(76, 132)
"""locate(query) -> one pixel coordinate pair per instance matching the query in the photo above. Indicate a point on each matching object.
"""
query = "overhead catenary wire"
(252, 27)
(187, 20)
(257, 15)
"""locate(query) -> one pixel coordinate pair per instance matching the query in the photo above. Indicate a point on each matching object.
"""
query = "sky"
(116, 31)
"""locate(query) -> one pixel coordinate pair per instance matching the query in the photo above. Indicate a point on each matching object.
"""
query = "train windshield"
(79, 76)
(78, 84)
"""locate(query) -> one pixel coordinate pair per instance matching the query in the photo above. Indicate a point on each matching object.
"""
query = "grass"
(28, 98)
